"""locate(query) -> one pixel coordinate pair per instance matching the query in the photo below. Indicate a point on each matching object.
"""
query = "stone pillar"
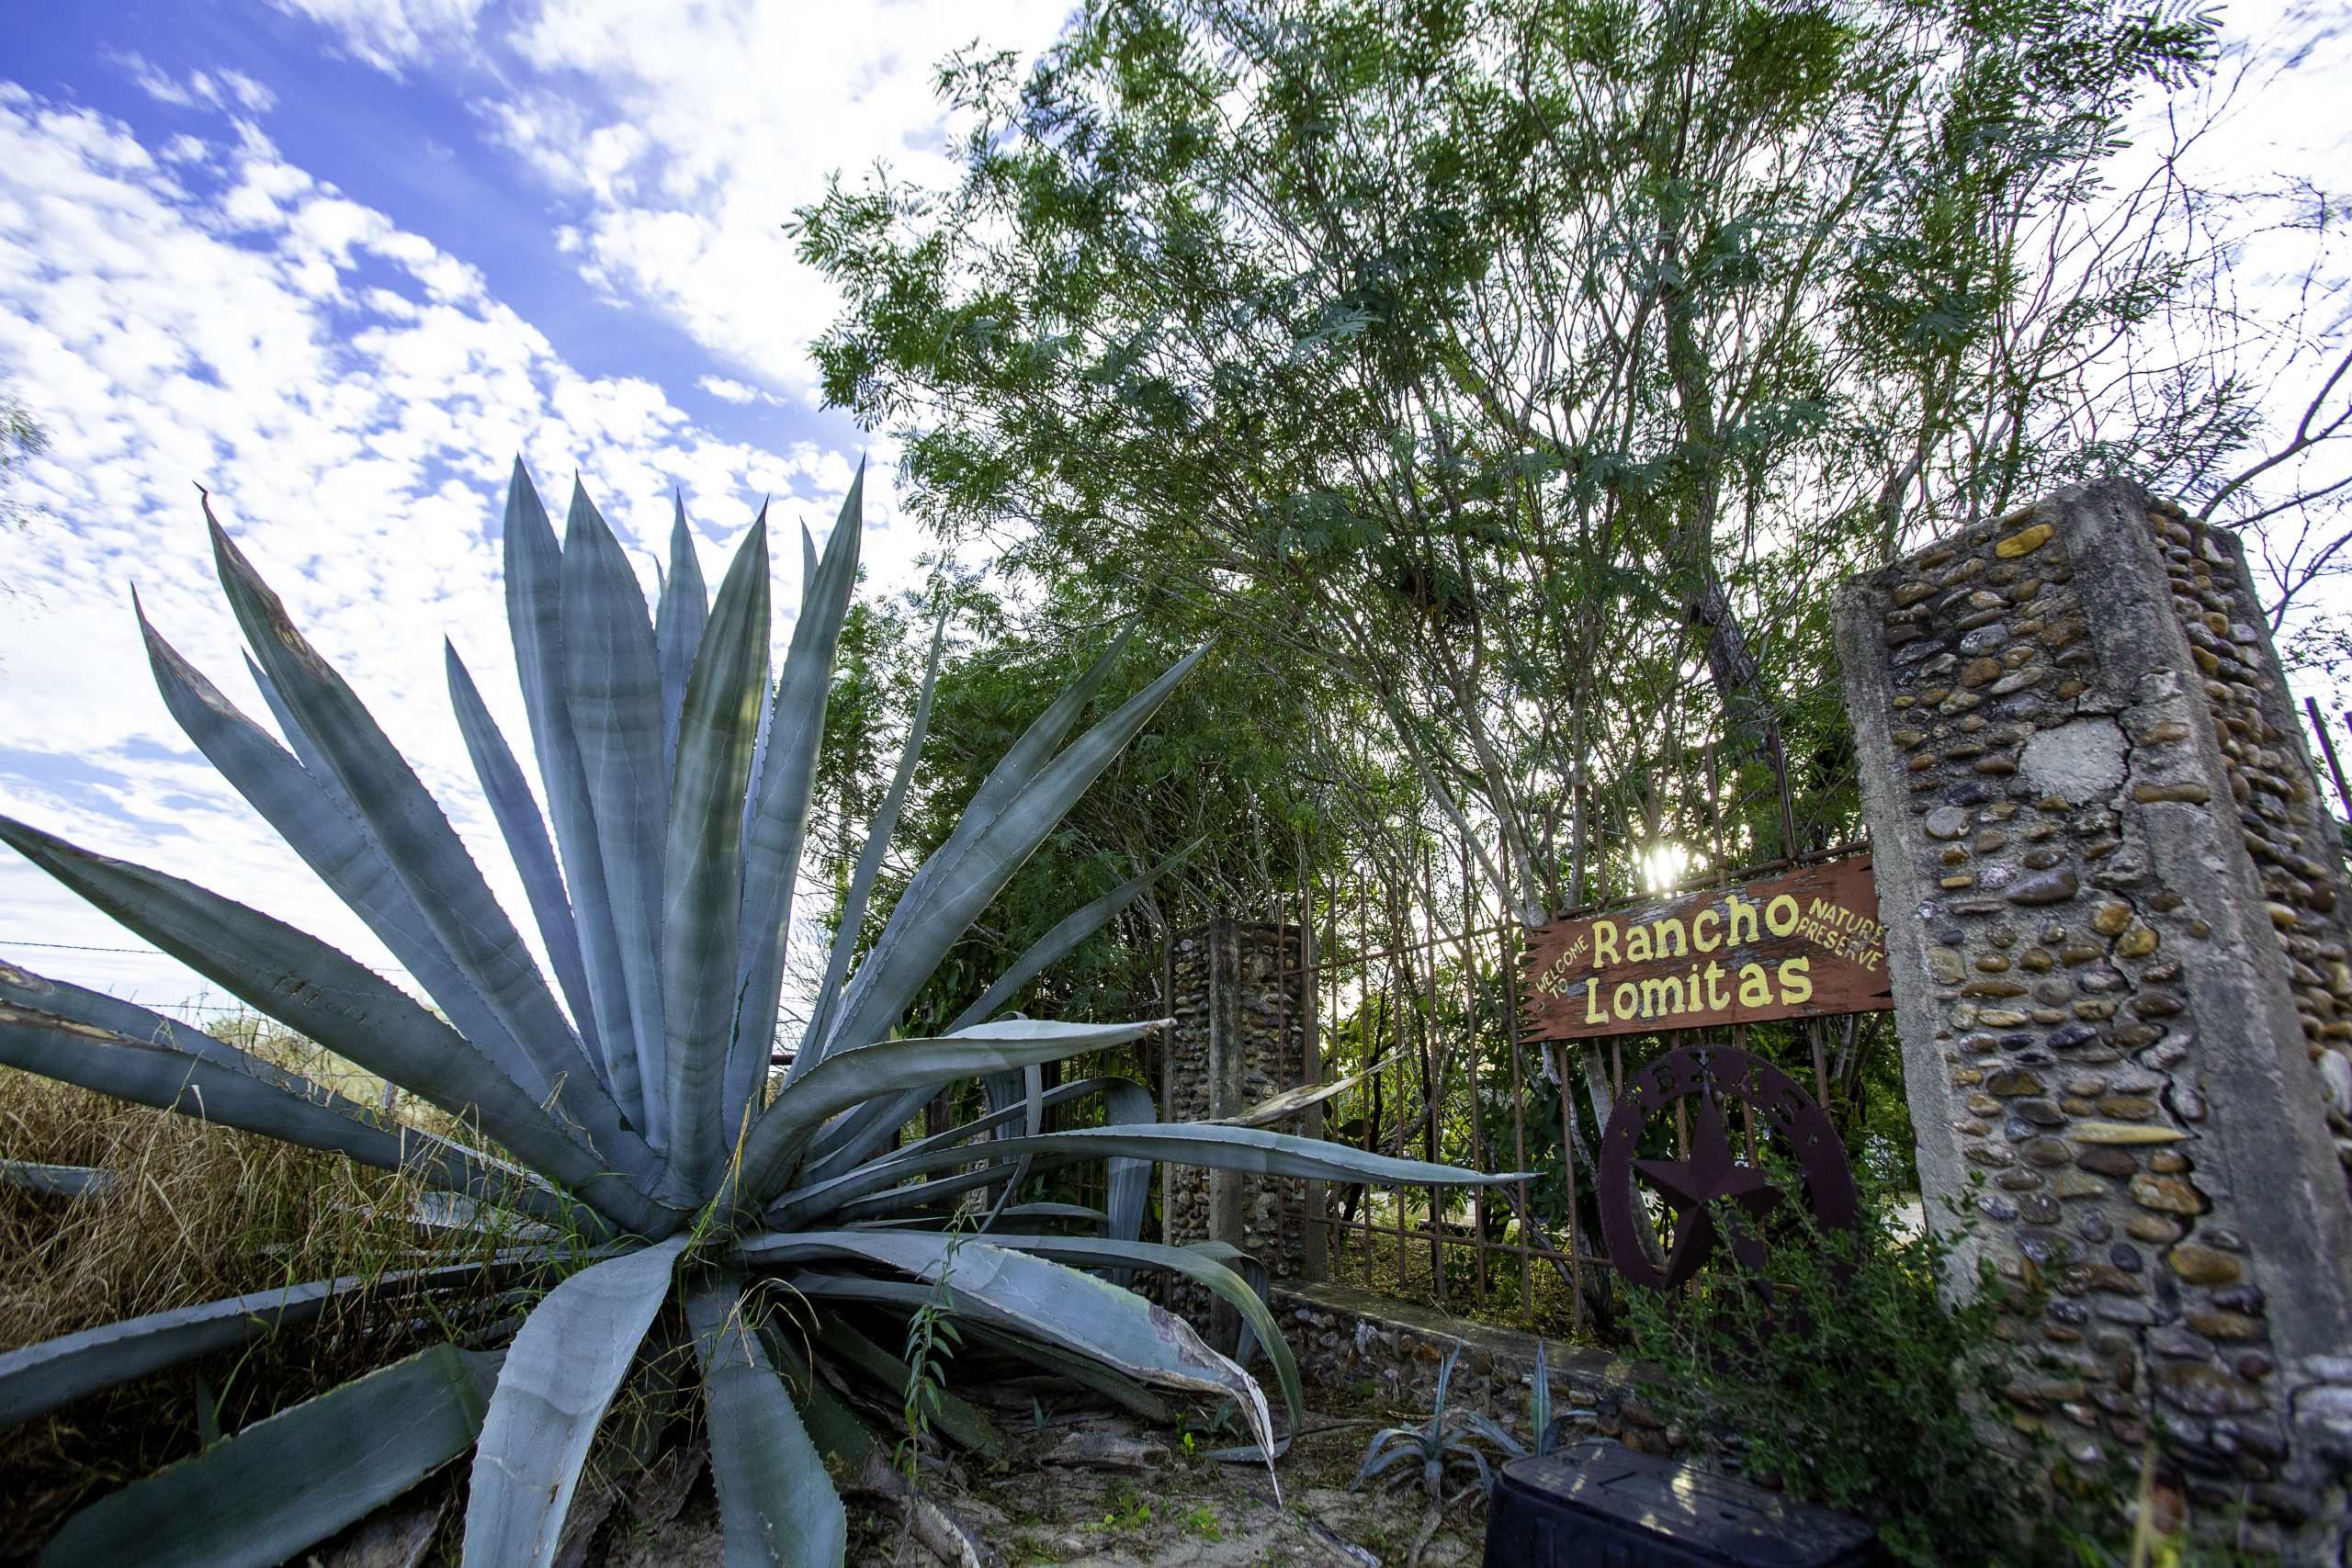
(2116, 930)
(1240, 1036)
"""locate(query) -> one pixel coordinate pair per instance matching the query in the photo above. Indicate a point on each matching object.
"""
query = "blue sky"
(339, 260)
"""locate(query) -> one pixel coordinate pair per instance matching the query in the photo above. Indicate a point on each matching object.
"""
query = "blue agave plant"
(633, 1099)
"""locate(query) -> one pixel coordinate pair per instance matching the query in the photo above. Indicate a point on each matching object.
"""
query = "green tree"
(1510, 363)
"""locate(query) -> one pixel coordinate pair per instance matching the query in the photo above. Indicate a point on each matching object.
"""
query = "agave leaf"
(1059, 943)
(1004, 1091)
(853, 1078)
(526, 832)
(559, 1375)
(704, 876)
(1078, 1211)
(277, 1105)
(534, 618)
(851, 917)
(1478, 1425)
(323, 996)
(952, 1416)
(836, 1430)
(892, 973)
(1539, 1400)
(1291, 1102)
(835, 1155)
(1374, 1462)
(290, 727)
(56, 1180)
(1126, 1181)
(313, 814)
(1197, 1264)
(678, 623)
(796, 726)
(1012, 773)
(424, 852)
(923, 1195)
(865, 1131)
(1045, 1301)
(287, 1482)
(1249, 1149)
(978, 1324)
(612, 682)
(777, 1506)
(81, 1005)
(41, 1377)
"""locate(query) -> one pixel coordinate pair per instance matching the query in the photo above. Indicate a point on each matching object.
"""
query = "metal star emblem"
(1689, 1185)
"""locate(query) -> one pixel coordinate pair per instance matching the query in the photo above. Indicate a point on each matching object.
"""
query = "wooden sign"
(1795, 946)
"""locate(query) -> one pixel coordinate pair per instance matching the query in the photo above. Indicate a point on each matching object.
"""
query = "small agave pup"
(636, 1113)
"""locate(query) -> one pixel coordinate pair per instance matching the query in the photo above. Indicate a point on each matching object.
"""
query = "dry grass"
(197, 1212)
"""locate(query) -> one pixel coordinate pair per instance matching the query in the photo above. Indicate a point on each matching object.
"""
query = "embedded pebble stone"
(1947, 822)
(2046, 887)
(2203, 1391)
(2204, 1266)
(2024, 542)
(2167, 1194)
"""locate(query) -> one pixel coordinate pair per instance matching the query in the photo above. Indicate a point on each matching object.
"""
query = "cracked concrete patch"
(2082, 761)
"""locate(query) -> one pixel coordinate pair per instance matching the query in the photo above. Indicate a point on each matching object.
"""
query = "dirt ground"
(1094, 1487)
(1082, 1483)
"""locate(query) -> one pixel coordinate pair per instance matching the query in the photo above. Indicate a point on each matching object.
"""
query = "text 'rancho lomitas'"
(1793, 946)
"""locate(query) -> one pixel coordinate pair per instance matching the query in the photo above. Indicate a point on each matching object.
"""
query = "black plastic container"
(1600, 1505)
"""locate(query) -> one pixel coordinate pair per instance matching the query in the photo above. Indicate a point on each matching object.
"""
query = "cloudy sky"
(339, 260)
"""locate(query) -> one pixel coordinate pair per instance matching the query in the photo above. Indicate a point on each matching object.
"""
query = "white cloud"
(679, 135)
(204, 321)
(733, 391)
(202, 89)
(391, 34)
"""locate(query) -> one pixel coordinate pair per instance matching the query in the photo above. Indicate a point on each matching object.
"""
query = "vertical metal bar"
(1568, 1165)
(1432, 1089)
(1682, 1120)
(1506, 954)
(1395, 1012)
(1477, 1115)
(2328, 749)
(1314, 1257)
(1372, 1120)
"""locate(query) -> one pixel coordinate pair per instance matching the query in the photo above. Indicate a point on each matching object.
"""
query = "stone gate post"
(1238, 992)
(2117, 932)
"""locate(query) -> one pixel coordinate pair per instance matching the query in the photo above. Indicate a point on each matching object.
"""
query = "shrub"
(1843, 1374)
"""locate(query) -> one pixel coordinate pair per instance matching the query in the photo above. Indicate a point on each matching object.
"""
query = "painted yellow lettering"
(1740, 909)
(1655, 992)
(1700, 937)
(1661, 929)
